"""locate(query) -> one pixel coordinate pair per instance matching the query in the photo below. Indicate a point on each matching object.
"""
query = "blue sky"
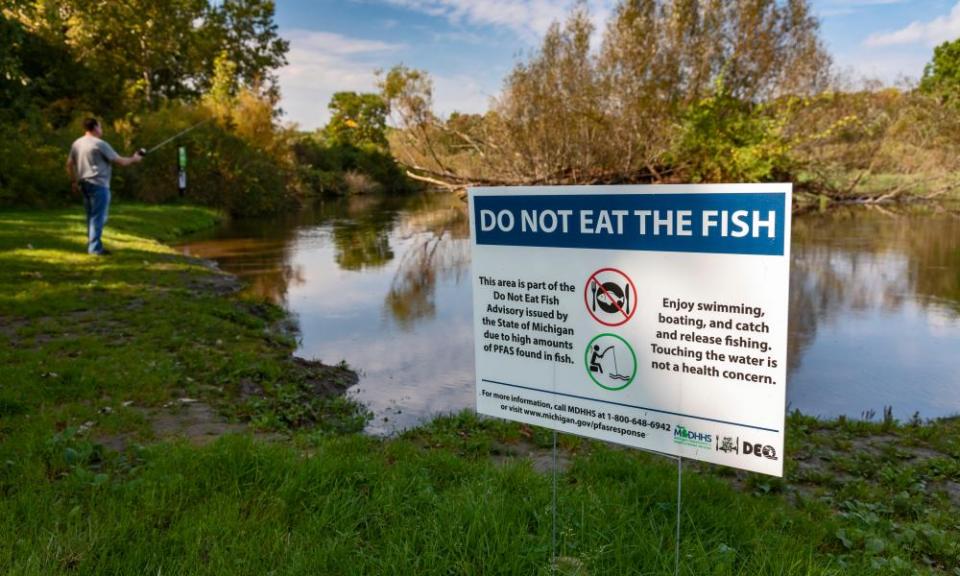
(469, 46)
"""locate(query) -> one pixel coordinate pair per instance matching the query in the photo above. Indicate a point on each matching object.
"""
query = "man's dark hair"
(90, 124)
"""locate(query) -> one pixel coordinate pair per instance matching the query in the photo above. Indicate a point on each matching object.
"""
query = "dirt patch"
(889, 444)
(116, 442)
(217, 282)
(321, 379)
(325, 380)
(184, 419)
(953, 491)
(9, 326)
(9, 329)
(541, 459)
(196, 422)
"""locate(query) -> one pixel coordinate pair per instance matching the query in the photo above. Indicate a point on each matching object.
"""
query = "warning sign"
(607, 296)
(652, 316)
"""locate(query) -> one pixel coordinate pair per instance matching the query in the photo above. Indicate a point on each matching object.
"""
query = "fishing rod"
(144, 151)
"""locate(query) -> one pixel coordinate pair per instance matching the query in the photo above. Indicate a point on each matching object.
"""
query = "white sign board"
(651, 316)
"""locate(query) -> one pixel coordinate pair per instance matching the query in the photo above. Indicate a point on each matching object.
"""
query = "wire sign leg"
(553, 562)
(676, 561)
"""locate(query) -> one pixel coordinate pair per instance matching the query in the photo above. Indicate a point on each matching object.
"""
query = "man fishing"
(89, 166)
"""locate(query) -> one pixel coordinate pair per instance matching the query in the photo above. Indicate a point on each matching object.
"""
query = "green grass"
(890, 187)
(142, 326)
(91, 345)
(357, 505)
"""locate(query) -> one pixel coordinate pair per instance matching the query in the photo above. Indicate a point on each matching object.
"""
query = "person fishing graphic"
(595, 365)
(610, 362)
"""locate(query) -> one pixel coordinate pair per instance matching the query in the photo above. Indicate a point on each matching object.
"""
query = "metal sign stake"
(553, 560)
(554, 539)
(676, 564)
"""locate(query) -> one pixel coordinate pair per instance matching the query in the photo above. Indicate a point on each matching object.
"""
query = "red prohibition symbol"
(610, 296)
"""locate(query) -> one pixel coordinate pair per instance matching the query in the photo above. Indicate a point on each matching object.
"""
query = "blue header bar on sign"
(718, 223)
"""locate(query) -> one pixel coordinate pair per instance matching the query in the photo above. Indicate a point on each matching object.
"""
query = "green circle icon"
(605, 366)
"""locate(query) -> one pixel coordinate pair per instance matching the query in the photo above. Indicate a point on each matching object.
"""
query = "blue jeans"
(96, 203)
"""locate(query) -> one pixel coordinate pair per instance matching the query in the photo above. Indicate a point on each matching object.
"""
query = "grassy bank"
(136, 389)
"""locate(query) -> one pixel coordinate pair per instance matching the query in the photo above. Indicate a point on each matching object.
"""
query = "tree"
(145, 52)
(357, 120)
(551, 107)
(39, 72)
(570, 114)
(661, 59)
(409, 96)
(245, 29)
(941, 77)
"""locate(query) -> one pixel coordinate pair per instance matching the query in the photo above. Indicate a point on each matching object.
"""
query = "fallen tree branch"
(448, 185)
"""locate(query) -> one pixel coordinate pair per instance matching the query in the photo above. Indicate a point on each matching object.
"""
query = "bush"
(873, 143)
(359, 183)
(724, 139)
(238, 160)
(336, 168)
(33, 157)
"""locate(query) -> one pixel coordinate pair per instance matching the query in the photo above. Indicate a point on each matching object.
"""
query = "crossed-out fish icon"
(610, 297)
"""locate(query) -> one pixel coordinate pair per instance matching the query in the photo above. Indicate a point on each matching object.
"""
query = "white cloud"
(889, 68)
(856, 3)
(460, 93)
(939, 29)
(322, 63)
(328, 42)
(528, 19)
(833, 8)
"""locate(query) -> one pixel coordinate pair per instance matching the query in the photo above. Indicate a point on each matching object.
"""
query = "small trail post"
(182, 170)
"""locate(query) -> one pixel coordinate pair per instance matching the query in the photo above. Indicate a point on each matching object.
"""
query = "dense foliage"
(674, 91)
(941, 77)
(682, 91)
(151, 68)
(351, 154)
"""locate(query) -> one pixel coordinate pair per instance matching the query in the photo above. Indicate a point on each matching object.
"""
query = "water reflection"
(378, 282)
(441, 247)
(875, 313)
(361, 232)
(257, 255)
(384, 284)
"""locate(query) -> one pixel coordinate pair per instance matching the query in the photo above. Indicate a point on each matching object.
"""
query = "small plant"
(359, 183)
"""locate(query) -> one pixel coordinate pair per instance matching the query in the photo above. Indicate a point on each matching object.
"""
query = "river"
(383, 283)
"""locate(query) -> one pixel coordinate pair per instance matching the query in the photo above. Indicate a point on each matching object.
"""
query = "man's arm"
(128, 160)
(112, 156)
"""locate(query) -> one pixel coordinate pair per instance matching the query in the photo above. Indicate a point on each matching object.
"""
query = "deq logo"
(730, 444)
(682, 435)
(758, 450)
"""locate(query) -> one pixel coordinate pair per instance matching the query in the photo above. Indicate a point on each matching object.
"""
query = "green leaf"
(846, 541)
(71, 456)
(875, 545)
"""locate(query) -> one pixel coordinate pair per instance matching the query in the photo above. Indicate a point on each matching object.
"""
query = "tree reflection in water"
(259, 258)
(439, 246)
(361, 231)
(852, 262)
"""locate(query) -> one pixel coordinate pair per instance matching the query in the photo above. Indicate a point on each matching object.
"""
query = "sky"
(469, 46)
